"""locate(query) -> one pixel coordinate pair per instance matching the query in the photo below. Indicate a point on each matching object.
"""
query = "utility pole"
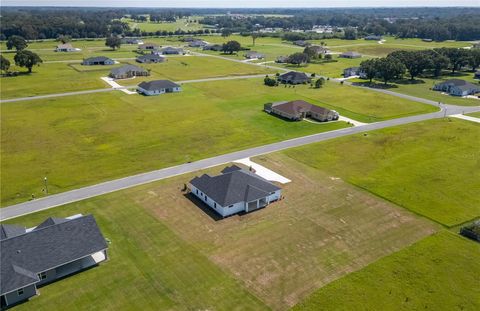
(46, 184)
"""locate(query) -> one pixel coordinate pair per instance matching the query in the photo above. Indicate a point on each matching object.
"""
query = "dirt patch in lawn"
(323, 229)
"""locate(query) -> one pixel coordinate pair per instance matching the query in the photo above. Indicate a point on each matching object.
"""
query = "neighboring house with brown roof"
(298, 109)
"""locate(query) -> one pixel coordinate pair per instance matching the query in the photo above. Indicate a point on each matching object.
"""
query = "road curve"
(135, 180)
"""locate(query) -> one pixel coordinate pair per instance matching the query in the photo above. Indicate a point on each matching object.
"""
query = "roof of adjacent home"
(150, 56)
(65, 46)
(234, 185)
(127, 68)
(461, 84)
(294, 75)
(253, 53)
(157, 85)
(97, 59)
(350, 53)
(297, 106)
(53, 243)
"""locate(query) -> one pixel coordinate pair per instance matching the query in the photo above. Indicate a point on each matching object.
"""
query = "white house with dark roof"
(128, 71)
(157, 87)
(234, 191)
(457, 87)
(254, 55)
(66, 47)
(150, 58)
(350, 54)
(50, 251)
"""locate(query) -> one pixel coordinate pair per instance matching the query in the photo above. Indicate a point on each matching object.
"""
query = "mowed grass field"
(440, 272)
(431, 167)
(80, 140)
(149, 267)
(53, 78)
(167, 253)
(323, 229)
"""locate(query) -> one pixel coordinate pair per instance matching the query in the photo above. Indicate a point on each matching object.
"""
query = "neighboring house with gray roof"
(213, 47)
(170, 51)
(197, 43)
(99, 60)
(128, 71)
(353, 71)
(148, 47)
(294, 77)
(457, 87)
(158, 87)
(254, 55)
(350, 54)
(66, 47)
(234, 191)
(150, 58)
(52, 250)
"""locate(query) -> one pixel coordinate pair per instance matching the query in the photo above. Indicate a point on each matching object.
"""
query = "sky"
(242, 4)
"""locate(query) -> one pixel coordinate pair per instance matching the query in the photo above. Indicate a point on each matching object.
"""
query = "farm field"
(436, 273)
(184, 24)
(149, 267)
(280, 254)
(402, 164)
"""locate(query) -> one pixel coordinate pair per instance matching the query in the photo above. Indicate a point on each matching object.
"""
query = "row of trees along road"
(417, 62)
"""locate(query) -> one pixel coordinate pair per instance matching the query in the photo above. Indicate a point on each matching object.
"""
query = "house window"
(196, 191)
(42, 276)
(20, 292)
(214, 204)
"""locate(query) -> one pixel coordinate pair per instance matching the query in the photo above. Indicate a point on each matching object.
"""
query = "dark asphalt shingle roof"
(459, 83)
(294, 76)
(54, 244)
(295, 107)
(150, 57)
(8, 231)
(233, 186)
(126, 68)
(157, 85)
(97, 59)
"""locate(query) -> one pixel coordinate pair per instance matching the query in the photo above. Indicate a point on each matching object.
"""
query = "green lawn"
(475, 114)
(53, 78)
(430, 167)
(90, 138)
(440, 272)
(149, 267)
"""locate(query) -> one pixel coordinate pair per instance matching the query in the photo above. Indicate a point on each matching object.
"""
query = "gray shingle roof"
(55, 243)
(97, 59)
(8, 231)
(234, 185)
(125, 69)
(150, 57)
(458, 82)
(294, 76)
(157, 85)
(351, 54)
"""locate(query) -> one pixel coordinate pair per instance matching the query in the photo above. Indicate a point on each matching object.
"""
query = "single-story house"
(190, 39)
(294, 77)
(234, 191)
(213, 47)
(476, 75)
(132, 41)
(157, 87)
(197, 43)
(54, 249)
(148, 47)
(298, 109)
(353, 71)
(254, 55)
(150, 58)
(319, 50)
(373, 37)
(427, 40)
(67, 47)
(128, 71)
(99, 60)
(170, 51)
(457, 87)
(282, 59)
(350, 55)
(301, 43)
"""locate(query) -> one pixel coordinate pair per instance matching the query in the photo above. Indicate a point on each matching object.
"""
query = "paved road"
(135, 180)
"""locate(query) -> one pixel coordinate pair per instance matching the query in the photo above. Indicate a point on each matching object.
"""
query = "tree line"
(416, 63)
